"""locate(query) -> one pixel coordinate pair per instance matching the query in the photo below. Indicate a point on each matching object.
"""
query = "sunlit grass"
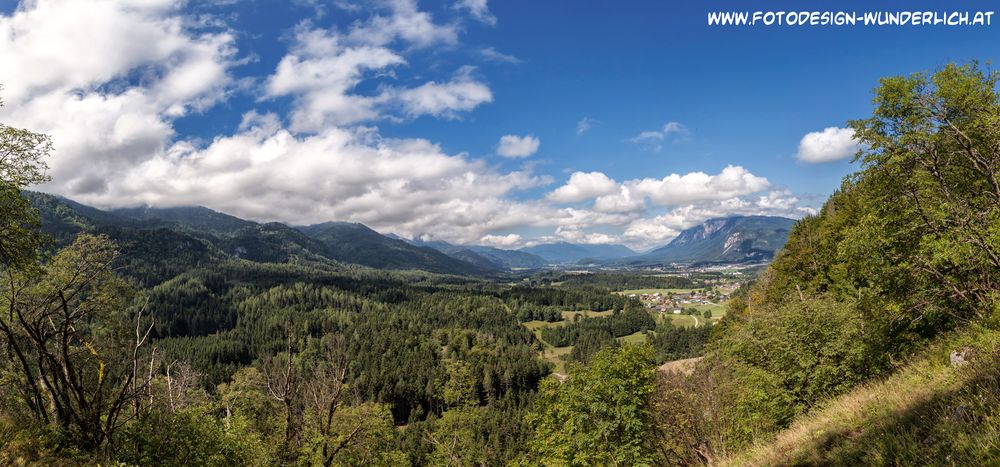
(911, 417)
(635, 338)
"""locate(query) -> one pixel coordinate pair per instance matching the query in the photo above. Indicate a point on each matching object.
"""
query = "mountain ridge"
(570, 253)
(180, 231)
(723, 240)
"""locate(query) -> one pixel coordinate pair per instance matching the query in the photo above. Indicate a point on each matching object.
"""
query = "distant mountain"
(564, 252)
(457, 252)
(356, 243)
(510, 259)
(149, 255)
(737, 239)
(238, 238)
(196, 218)
(160, 243)
(485, 255)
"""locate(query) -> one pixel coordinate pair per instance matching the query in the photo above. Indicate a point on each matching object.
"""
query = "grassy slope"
(927, 413)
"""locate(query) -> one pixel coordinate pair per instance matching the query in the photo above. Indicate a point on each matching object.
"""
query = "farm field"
(680, 321)
(685, 321)
(718, 310)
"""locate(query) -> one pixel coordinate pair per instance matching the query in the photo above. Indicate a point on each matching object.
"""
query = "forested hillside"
(873, 336)
(144, 229)
(903, 255)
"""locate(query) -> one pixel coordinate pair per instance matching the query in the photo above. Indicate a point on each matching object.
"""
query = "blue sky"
(391, 113)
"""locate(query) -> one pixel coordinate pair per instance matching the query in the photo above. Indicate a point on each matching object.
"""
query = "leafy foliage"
(675, 343)
(905, 251)
(600, 415)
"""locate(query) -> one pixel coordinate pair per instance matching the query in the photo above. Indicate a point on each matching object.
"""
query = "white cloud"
(584, 125)
(69, 69)
(647, 232)
(404, 22)
(831, 144)
(653, 140)
(582, 186)
(574, 235)
(501, 241)
(324, 67)
(672, 190)
(693, 187)
(462, 93)
(493, 55)
(479, 10)
(622, 201)
(321, 72)
(517, 146)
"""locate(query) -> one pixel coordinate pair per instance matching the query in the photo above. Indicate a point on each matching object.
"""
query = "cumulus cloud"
(501, 241)
(324, 67)
(462, 93)
(478, 10)
(517, 146)
(81, 91)
(582, 186)
(831, 144)
(622, 201)
(320, 71)
(672, 190)
(116, 144)
(699, 186)
(692, 198)
(403, 21)
(574, 235)
(653, 140)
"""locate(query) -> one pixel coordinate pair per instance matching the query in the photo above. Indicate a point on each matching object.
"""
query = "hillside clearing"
(635, 338)
(684, 366)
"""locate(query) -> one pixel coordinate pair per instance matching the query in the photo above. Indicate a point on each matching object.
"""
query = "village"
(707, 301)
(676, 302)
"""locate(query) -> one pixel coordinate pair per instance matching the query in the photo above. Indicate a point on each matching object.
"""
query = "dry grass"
(570, 315)
(911, 416)
(685, 366)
